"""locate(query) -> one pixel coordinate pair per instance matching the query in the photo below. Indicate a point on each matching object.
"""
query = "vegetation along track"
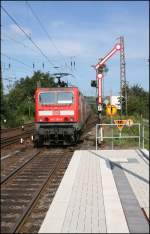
(21, 190)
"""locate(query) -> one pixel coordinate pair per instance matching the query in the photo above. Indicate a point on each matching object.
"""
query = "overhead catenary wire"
(13, 77)
(19, 68)
(49, 37)
(19, 42)
(46, 32)
(12, 58)
(29, 37)
(9, 79)
(6, 68)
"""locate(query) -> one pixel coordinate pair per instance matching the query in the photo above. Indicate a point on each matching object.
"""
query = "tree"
(138, 101)
(17, 101)
(3, 101)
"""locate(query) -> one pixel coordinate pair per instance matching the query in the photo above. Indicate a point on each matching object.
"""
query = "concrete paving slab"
(88, 199)
(113, 209)
(55, 215)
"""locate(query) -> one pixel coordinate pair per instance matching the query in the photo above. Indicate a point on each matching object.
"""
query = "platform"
(102, 192)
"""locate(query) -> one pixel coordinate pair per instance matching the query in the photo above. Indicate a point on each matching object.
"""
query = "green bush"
(18, 104)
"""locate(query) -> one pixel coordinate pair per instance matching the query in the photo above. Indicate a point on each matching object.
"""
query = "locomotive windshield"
(51, 98)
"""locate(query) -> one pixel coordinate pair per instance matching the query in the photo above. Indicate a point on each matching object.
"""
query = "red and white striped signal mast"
(100, 67)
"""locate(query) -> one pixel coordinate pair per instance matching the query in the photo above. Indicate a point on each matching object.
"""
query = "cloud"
(88, 44)
(57, 23)
(66, 47)
(16, 31)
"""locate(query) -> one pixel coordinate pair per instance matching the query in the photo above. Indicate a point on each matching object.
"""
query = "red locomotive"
(60, 115)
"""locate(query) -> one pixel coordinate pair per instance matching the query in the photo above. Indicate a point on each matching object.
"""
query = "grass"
(126, 143)
(146, 136)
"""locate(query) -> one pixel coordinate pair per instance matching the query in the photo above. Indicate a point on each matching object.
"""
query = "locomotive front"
(56, 116)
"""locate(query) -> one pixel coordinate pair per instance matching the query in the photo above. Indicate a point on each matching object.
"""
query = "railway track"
(21, 189)
(29, 187)
(8, 130)
(6, 141)
(17, 169)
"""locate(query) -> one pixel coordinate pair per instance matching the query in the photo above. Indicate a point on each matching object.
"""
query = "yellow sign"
(120, 123)
(129, 122)
(111, 110)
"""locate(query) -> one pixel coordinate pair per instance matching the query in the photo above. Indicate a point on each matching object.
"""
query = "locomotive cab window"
(65, 98)
(47, 98)
(54, 98)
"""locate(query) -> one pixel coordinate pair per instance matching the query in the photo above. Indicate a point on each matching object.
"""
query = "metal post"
(139, 135)
(143, 136)
(99, 135)
(96, 136)
(123, 83)
(101, 131)
(112, 138)
(29, 111)
(112, 145)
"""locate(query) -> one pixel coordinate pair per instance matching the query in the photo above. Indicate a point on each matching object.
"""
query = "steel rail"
(5, 130)
(5, 141)
(147, 218)
(18, 169)
(36, 196)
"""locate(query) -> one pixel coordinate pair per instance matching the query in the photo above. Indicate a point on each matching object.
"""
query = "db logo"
(56, 112)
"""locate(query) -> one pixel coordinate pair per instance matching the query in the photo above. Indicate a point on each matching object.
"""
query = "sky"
(80, 31)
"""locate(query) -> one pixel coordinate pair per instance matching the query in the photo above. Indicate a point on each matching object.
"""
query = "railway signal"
(93, 83)
(100, 68)
(111, 110)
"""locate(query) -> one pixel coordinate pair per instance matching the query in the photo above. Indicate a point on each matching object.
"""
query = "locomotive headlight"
(71, 119)
(46, 119)
(66, 119)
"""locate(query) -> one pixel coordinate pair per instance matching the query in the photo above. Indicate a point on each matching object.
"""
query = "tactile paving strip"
(136, 221)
